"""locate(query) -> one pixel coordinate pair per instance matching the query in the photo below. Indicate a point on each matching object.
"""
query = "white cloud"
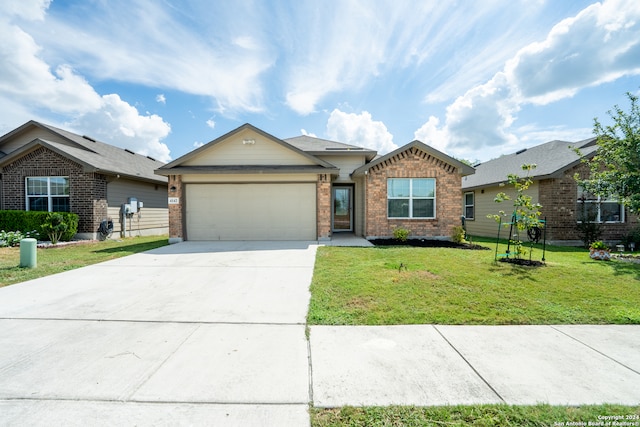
(361, 130)
(198, 144)
(211, 123)
(149, 43)
(33, 10)
(26, 76)
(304, 132)
(598, 45)
(120, 124)
(161, 99)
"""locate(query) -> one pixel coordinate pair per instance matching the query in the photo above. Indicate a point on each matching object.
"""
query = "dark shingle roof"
(318, 146)
(93, 155)
(551, 159)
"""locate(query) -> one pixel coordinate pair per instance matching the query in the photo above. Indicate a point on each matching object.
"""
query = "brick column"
(323, 215)
(176, 223)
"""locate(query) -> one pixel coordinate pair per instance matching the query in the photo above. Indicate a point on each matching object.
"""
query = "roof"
(551, 159)
(462, 168)
(176, 166)
(325, 147)
(93, 155)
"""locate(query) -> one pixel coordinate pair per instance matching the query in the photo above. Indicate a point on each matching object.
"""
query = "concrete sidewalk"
(431, 365)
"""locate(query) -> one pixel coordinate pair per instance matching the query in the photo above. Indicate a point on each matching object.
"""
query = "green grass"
(477, 415)
(365, 286)
(56, 260)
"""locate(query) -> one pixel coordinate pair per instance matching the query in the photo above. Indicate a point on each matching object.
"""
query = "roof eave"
(213, 170)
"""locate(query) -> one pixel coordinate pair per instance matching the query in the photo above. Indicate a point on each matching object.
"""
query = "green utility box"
(28, 253)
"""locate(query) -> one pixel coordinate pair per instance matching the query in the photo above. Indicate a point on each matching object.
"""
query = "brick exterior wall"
(87, 191)
(413, 163)
(323, 205)
(176, 224)
(558, 198)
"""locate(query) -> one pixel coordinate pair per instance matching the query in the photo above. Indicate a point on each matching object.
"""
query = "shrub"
(401, 234)
(12, 238)
(30, 221)
(632, 237)
(55, 227)
(599, 244)
(458, 234)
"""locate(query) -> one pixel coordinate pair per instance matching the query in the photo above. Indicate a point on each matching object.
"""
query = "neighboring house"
(554, 187)
(44, 168)
(249, 185)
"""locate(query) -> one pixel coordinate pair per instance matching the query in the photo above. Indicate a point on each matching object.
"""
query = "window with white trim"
(411, 197)
(469, 205)
(598, 209)
(47, 193)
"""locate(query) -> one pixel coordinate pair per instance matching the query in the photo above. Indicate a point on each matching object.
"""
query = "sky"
(474, 79)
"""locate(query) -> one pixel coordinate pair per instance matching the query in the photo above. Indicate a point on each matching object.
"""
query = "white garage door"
(280, 211)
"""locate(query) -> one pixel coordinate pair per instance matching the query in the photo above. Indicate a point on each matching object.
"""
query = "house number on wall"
(174, 200)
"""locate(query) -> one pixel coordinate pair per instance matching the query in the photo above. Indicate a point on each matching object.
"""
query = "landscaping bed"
(427, 243)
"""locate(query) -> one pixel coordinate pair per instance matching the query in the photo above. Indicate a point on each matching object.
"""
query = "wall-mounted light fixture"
(248, 141)
(173, 189)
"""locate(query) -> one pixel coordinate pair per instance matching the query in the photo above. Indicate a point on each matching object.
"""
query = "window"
(469, 205)
(594, 208)
(411, 197)
(48, 194)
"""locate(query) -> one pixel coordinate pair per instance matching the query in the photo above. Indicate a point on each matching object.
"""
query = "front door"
(342, 208)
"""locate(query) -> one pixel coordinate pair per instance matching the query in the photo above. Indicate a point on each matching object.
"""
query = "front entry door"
(342, 208)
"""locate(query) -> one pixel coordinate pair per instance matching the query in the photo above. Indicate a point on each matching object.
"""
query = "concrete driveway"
(194, 333)
(214, 334)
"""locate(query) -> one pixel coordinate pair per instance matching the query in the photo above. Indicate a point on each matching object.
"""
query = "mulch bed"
(427, 243)
(523, 262)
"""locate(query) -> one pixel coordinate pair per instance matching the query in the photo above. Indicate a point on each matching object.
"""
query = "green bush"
(29, 221)
(12, 238)
(458, 234)
(55, 227)
(401, 234)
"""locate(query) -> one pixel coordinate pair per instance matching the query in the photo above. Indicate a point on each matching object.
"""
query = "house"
(45, 168)
(250, 185)
(554, 187)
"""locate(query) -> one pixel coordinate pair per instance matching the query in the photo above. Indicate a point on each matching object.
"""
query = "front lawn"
(58, 259)
(478, 415)
(367, 286)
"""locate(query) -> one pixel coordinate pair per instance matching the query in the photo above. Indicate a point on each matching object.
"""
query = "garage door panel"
(251, 211)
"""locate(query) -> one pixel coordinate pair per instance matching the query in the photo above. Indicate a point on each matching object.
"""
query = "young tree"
(525, 214)
(615, 168)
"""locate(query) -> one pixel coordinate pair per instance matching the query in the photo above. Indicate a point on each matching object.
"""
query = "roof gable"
(428, 153)
(93, 155)
(248, 147)
(245, 148)
(551, 159)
